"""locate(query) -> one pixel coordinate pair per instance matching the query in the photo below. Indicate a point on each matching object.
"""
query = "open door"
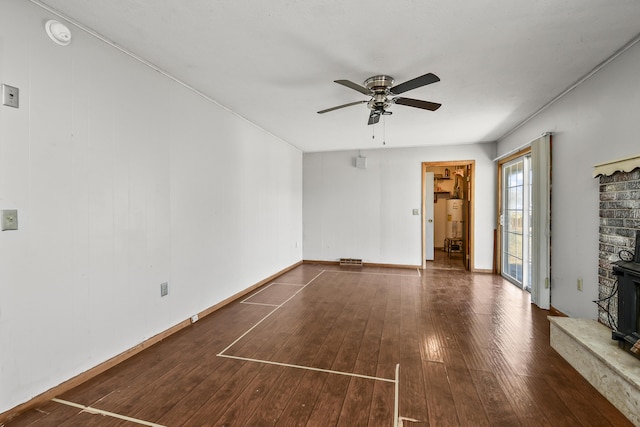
(468, 217)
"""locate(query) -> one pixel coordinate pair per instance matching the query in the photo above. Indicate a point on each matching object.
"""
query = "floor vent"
(351, 261)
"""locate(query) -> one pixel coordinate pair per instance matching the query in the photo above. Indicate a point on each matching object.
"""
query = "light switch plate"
(10, 96)
(9, 219)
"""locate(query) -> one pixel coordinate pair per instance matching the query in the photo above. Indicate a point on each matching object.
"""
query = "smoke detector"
(58, 32)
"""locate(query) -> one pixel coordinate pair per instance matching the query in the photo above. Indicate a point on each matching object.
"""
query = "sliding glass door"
(516, 221)
(524, 239)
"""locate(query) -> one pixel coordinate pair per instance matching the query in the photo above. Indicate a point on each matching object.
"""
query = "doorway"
(516, 221)
(524, 219)
(447, 210)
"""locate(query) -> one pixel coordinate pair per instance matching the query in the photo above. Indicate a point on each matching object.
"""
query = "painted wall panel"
(123, 179)
(368, 213)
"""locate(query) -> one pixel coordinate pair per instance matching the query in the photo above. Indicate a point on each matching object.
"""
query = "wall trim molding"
(115, 360)
(364, 264)
(555, 312)
(483, 270)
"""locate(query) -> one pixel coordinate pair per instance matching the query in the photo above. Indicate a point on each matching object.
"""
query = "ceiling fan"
(382, 92)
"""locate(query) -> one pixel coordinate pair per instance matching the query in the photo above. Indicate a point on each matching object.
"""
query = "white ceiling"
(274, 61)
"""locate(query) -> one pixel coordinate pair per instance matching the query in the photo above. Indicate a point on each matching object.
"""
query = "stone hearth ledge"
(588, 347)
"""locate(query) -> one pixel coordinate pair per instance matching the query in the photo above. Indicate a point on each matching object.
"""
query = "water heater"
(454, 219)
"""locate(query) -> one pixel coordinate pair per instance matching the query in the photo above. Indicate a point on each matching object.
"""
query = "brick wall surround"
(619, 220)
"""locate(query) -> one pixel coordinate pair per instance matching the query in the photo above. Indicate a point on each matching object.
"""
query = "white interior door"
(428, 216)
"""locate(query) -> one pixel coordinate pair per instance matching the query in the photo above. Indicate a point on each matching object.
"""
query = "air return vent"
(351, 261)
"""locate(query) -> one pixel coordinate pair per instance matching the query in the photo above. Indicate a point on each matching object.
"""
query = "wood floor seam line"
(396, 397)
(257, 292)
(308, 368)
(288, 284)
(95, 411)
(259, 303)
(270, 313)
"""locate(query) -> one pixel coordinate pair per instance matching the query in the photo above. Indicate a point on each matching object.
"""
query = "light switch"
(416, 211)
(9, 219)
(10, 96)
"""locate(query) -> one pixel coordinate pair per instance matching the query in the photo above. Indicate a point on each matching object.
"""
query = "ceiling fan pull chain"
(384, 131)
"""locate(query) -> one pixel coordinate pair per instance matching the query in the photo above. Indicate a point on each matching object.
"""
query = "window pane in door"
(516, 231)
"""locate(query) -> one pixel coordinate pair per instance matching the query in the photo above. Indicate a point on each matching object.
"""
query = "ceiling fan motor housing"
(381, 82)
(379, 86)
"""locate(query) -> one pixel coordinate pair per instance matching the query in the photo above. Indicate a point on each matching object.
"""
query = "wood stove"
(628, 273)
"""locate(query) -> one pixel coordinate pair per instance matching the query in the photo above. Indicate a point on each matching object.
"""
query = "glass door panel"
(516, 217)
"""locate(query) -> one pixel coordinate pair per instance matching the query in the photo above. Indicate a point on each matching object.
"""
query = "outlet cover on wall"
(10, 96)
(164, 289)
(9, 219)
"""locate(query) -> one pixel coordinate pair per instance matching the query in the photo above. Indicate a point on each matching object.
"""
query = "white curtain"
(541, 222)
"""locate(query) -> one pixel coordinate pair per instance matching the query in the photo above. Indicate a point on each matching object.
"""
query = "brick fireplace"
(619, 220)
(586, 344)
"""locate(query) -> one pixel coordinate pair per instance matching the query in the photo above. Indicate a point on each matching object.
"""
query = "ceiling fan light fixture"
(378, 101)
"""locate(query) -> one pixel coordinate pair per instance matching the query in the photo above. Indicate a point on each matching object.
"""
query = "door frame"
(541, 151)
(470, 214)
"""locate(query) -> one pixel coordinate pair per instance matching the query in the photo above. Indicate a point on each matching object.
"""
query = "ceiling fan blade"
(425, 105)
(341, 106)
(363, 90)
(427, 79)
(373, 118)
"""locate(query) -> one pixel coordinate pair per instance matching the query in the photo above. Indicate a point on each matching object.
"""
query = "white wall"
(367, 213)
(123, 179)
(596, 122)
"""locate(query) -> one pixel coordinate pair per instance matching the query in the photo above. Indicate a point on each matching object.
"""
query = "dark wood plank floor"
(319, 347)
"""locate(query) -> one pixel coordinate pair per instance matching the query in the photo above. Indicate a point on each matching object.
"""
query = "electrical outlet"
(194, 318)
(9, 219)
(10, 96)
(580, 284)
(164, 289)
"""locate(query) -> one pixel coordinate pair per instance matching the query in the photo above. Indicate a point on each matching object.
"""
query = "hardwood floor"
(320, 346)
